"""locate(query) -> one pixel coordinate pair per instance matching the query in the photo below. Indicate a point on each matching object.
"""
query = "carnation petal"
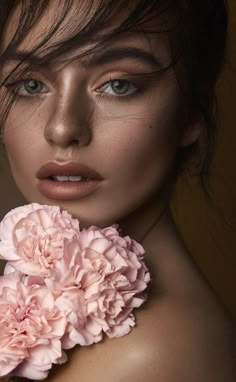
(8, 252)
(121, 329)
(44, 356)
(26, 370)
(9, 361)
(9, 281)
(8, 269)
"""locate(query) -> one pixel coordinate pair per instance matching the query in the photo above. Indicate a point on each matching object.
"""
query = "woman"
(104, 103)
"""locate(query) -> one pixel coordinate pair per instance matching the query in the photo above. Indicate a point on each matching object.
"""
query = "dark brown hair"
(198, 37)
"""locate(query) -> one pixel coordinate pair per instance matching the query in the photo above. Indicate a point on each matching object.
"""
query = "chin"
(87, 216)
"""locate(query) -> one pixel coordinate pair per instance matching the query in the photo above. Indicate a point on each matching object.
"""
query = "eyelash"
(16, 87)
(112, 81)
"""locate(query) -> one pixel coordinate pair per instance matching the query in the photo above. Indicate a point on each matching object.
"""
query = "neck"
(154, 227)
(140, 223)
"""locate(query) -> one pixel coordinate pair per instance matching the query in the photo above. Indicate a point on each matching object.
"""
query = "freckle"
(150, 126)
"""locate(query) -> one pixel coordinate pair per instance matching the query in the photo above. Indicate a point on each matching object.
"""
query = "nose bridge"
(70, 114)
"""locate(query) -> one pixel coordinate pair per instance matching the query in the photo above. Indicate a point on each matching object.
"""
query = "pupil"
(120, 86)
(32, 86)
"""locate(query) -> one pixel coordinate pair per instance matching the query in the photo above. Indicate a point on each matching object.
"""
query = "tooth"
(75, 178)
(61, 178)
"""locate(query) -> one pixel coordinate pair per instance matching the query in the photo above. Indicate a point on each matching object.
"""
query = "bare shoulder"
(185, 343)
(173, 341)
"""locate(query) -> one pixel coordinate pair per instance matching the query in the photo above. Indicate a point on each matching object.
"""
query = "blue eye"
(119, 88)
(27, 88)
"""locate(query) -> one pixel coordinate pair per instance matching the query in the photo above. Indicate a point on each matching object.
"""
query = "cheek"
(141, 146)
(23, 145)
(137, 158)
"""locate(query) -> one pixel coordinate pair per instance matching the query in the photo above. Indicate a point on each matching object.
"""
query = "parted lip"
(67, 169)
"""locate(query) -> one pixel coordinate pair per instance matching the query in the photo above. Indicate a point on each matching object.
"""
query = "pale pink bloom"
(31, 327)
(32, 238)
(98, 283)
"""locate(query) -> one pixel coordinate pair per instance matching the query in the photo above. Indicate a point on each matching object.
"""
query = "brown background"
(211, 242)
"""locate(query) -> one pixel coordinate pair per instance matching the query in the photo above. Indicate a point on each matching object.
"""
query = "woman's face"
(100, 113)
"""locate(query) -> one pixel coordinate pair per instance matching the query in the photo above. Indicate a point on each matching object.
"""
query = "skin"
(132, 141)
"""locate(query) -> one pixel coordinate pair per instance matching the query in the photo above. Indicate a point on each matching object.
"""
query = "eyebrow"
(106, 57)
(120, 54)
(19, 57)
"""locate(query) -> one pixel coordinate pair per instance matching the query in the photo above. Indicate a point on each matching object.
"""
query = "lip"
(67, 169)
(67, 190)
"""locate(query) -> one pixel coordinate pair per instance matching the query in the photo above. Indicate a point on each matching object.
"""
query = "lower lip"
(67, 190)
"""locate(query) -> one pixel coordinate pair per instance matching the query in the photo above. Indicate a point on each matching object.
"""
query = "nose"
(69, 123)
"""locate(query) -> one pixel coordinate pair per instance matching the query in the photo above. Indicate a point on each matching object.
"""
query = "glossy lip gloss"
(53, 188)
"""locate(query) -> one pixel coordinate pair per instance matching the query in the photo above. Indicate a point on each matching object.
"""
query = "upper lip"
(67, 169)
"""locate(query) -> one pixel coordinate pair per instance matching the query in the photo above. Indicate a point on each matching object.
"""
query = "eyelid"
(21, 81)
(106, 85)
(133, 78)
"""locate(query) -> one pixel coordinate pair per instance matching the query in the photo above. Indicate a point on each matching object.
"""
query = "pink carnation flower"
(99, 283)
(32, 238)
(31, 327)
